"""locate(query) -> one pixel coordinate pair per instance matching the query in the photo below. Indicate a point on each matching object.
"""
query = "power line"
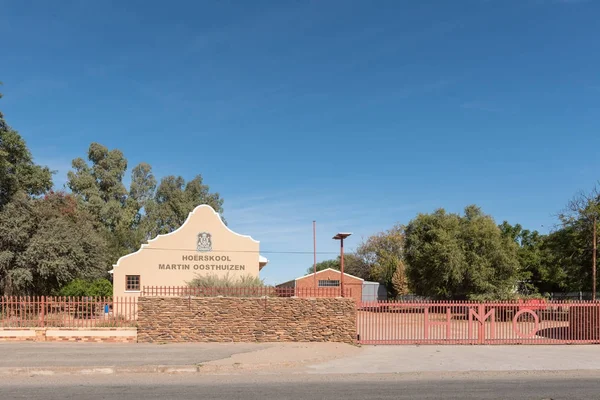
(247, 251)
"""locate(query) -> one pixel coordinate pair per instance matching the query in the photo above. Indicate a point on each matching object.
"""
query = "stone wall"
(230, 319)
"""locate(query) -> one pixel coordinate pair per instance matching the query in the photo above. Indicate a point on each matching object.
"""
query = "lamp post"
(315, 287)
(341, 236)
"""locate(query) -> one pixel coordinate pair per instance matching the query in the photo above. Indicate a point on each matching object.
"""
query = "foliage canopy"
(451, 256)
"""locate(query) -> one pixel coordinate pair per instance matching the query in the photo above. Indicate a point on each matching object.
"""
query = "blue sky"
(356, 114)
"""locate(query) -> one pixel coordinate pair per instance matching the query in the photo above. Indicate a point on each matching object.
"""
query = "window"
(132, 282)
(328, 283)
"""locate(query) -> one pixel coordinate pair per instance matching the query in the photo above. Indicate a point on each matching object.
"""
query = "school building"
(203, 245)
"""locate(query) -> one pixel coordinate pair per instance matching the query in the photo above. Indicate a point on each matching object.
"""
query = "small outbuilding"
(327, 278)
(373, 291)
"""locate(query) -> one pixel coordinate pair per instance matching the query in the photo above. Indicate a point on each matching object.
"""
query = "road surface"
(48, 354)
(326, 387)
(313, 358)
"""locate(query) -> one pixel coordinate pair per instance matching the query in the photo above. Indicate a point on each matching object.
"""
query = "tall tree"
(453, 256)
(566, 255)
(100, 185)
(100, 190)
(382, 255)
(18, 172)
(580, 221)
(132, 216)
(143, 185)
(174, 200)
(538, 272)
(47, 242)
(21, 182)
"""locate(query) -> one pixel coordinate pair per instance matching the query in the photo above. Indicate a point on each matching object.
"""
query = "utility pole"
(594, 262)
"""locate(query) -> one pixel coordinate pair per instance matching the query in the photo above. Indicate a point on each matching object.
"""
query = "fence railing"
(445, 322)
(67, 312)
(572, 296)
(267, 291)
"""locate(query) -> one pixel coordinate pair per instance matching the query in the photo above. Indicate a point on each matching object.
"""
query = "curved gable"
(202, 218)
(202, 245)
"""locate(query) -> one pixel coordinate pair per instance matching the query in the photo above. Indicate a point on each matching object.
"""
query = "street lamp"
(341, 236)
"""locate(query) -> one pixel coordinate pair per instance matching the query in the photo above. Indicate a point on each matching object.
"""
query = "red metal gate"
(518, 322)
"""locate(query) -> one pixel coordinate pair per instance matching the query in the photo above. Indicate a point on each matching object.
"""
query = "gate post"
(43, 312)
(481, 331)
(481, 317)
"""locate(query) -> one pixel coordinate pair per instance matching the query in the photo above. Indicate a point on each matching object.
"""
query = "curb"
(200, 368)
(229, 370)
(100, 370)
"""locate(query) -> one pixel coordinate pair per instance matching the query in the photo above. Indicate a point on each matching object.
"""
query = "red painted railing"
(67, 312)
(456, 322)
(267, 291)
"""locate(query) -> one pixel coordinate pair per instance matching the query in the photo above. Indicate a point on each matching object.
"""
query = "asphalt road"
(331, 387)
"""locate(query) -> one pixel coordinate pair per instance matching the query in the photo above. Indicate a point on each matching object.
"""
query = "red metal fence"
(67, 312)
(519, 322)
(266, 291)
(387, 322)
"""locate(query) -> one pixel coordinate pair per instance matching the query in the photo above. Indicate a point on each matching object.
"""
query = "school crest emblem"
(204, 242)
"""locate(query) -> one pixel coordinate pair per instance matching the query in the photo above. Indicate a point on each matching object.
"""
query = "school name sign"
(203, 263)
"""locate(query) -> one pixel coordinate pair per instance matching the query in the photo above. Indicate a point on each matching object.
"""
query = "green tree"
(143, 185)
(101, 187)
(174, 200)
(538, 274)
(580, 221)
(566, 257)
(129, 217)
(18, 172)
(46, 243)
(451, 256)
(382, 254)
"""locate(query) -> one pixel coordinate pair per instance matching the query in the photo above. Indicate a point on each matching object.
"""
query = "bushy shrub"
(213, 285)
(100, 288)
(215, 281)
(83, 288)
(75, 288)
